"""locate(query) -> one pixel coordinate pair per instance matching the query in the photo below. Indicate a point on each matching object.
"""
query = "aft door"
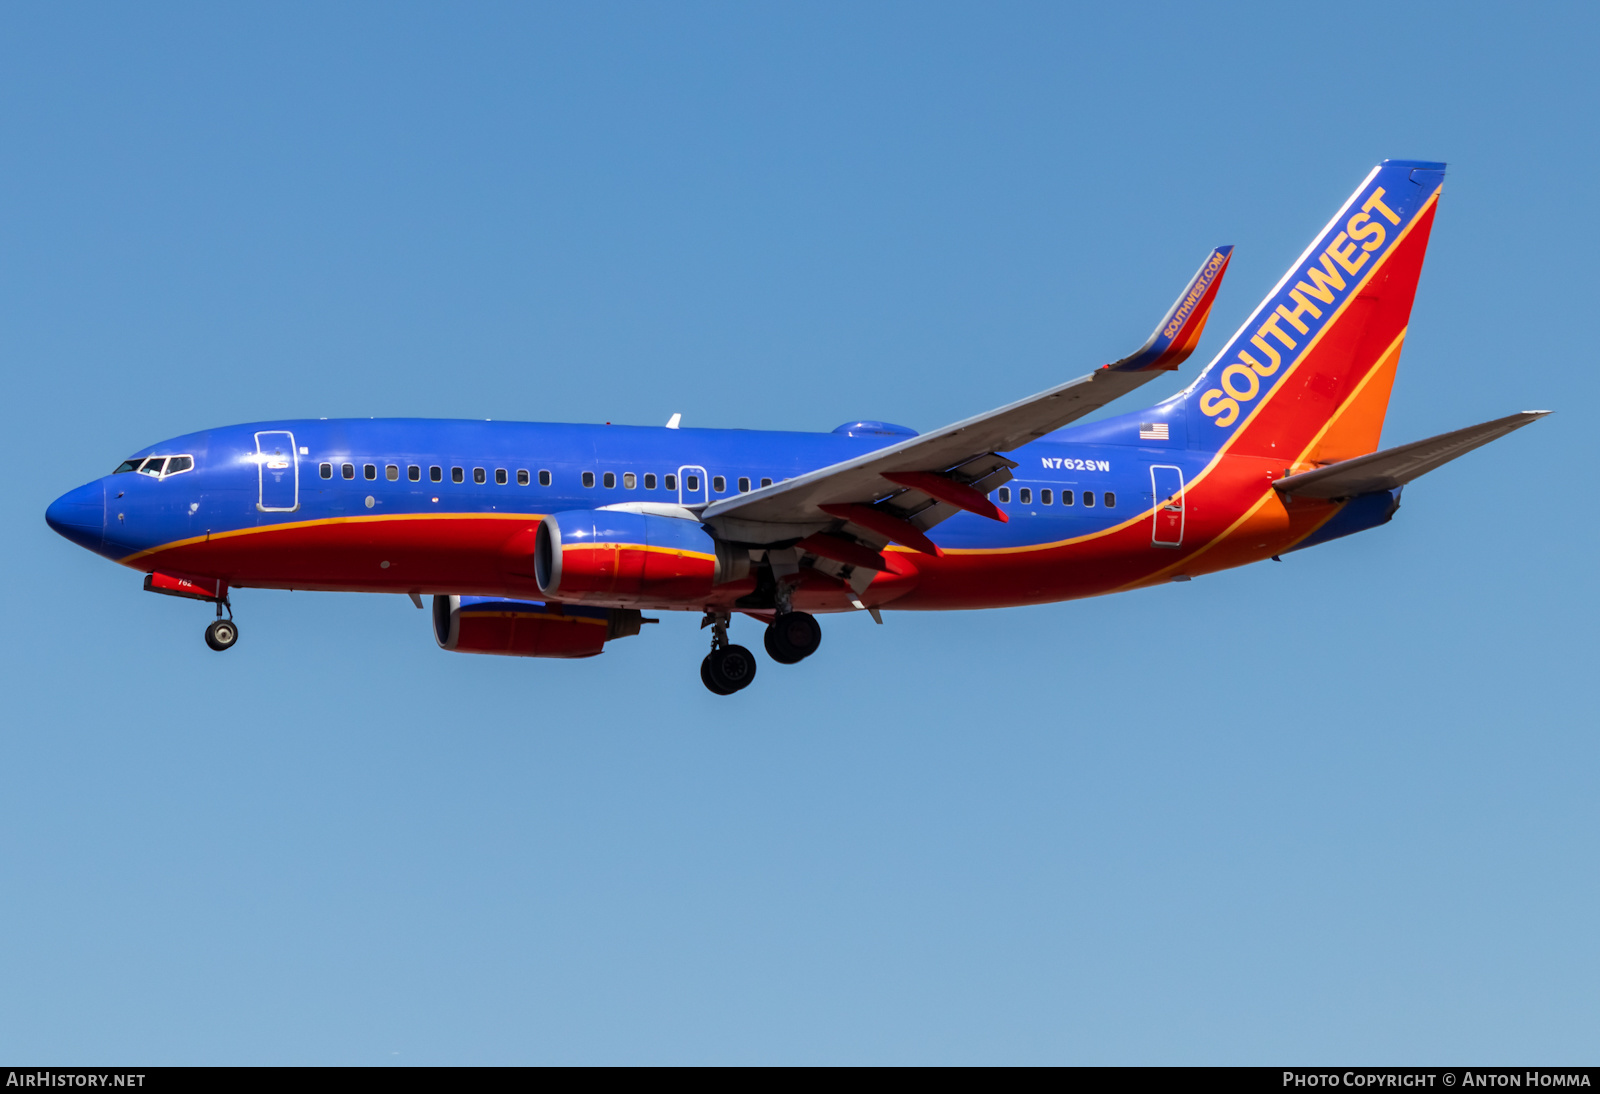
(1167, 485)
(277, 472)
(692, 486)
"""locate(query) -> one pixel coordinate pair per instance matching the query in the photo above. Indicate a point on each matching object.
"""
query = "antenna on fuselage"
(672, 422)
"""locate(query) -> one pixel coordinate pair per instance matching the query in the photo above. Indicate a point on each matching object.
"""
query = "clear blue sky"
(1338, 809)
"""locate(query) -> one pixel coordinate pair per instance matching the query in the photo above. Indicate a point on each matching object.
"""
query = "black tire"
(222, 634)
(792, 637)
(731, 668)
(705, 677)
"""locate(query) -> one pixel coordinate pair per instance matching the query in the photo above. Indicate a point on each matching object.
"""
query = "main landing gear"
(727, 668)
(792, 637)
(223, 633)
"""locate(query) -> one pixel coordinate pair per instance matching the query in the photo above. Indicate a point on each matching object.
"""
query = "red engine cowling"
(608, 556)
(527, 628)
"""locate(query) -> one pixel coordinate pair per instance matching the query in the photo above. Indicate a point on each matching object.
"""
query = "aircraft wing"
(1395, 467)
(898, 492)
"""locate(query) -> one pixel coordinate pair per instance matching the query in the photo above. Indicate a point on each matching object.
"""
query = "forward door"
(277, 472)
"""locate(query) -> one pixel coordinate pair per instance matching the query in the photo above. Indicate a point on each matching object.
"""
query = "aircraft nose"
(80, 515)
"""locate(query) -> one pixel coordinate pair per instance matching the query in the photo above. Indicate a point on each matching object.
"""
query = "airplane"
(550, 540)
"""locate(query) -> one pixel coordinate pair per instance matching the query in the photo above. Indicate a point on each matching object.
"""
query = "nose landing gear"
(223, 633)
(727, 668)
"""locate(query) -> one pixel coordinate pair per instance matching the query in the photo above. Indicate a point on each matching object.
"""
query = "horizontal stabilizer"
(1395, 467)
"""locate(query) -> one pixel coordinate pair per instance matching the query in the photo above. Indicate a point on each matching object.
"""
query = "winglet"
(1179, 332)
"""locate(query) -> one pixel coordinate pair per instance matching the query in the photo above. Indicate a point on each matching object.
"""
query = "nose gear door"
(1167, 483)
(277, 472)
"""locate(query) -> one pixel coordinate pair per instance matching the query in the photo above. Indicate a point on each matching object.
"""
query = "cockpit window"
(158, 466)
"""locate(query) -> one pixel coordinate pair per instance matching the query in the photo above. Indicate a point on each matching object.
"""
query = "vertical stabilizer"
(1307, 378)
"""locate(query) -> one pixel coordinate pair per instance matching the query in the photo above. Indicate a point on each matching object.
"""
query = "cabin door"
(277, 473)
(1167, 487)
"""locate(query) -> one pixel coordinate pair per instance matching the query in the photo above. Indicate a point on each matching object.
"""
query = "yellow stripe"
(641, 547)
(1362, 386)
(1187, 559)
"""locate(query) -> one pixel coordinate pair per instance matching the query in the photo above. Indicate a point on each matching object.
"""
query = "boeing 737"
(547, 540)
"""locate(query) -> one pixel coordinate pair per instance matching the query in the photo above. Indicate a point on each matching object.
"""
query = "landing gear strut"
(792, 637)
(727, 668)
(223, 633)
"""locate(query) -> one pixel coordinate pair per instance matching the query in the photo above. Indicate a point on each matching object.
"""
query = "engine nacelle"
(527, 628)
(607, 556)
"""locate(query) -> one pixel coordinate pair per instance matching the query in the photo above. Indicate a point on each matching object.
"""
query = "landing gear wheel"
(792, 637)
(705, 678)
(222, 634)
(728, 669)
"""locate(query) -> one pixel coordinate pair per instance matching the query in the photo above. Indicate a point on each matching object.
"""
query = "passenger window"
(1004, 494)
(588, 479)
(500, 478)
(326, 470)
(348, 470)
(649, 482)
(392, 473)
(479, 476)
(414, 473)
(458, 474)
(629, 480)
(672, 482)
(544, 478)
(744, 485)
(766, 482)
(1066, 497)
(370, 470)
(691, 483)
(1025, 496)
(1111, 500)
(1045, 496)
(719, 484)
(435, 473)
(610, 480)
(1088, 499)
(153, 466)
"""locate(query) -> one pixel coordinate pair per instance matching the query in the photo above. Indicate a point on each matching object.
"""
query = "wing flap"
(1395, 467)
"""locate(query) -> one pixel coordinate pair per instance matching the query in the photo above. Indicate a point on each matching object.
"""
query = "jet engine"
(606, 556)
(527, 628)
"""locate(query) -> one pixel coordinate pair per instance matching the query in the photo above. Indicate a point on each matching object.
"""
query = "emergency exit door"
(1167, 488)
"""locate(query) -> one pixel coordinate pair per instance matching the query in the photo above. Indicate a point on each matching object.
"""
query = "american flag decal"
(1153, 431)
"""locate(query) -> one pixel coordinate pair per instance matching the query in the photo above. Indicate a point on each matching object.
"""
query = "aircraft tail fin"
(1306, 379)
